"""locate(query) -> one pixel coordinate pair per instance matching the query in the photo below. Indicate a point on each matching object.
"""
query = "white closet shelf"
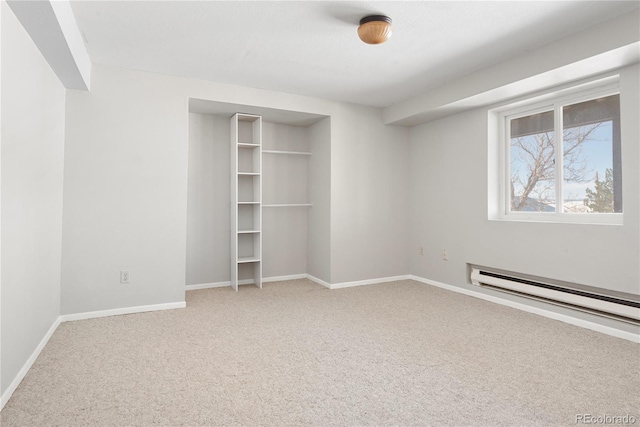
(286, 205)
(246, 215)
(299, 153)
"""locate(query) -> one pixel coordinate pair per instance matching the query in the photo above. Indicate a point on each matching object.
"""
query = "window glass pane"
(532, 163)
(590, 145)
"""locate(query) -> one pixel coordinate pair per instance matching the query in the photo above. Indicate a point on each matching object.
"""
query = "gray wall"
(286, 179)
(125, 198)
(369, 196)
(125, 193)
(284, 229)
(379, 193)
(126, 184)
(319, 232)
(356, 178)
(208, 200)
(33, 116)
(448, 186)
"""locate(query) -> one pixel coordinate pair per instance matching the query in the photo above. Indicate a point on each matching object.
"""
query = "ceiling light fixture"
(375, 29)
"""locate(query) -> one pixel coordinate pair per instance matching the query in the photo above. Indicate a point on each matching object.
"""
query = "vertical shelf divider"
(246, 197)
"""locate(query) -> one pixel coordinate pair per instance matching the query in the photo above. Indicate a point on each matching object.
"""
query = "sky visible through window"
(598, 155)
(534, 155)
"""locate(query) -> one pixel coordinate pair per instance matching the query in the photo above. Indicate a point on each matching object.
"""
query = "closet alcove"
(258, 193)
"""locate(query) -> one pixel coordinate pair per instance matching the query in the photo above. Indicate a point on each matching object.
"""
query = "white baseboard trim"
(283, 278)
(72, 317)
(120, 311)
(207, 286)
(28, 364)
(355, 283)
(245, 282)
(297, 277)
(169, 306)
(367, 282)
(629, 336)
(319, 281)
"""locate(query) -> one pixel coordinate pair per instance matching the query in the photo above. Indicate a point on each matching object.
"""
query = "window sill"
(584, 219)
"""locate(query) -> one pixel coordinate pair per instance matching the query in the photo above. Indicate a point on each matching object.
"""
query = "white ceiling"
(311, 47)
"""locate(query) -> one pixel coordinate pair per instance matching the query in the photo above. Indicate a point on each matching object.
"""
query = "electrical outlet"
(124, 276)
(445, 257)
(421, 250)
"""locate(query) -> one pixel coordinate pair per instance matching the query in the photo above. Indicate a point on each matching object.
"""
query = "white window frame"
(549, 102)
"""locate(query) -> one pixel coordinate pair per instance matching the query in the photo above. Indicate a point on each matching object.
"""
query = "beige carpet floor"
(295, 353)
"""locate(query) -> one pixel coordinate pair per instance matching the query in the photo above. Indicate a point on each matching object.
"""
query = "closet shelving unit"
(286, 153)
(246, 197)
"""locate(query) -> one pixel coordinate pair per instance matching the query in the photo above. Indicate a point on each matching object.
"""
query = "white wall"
(369, 196)
(366, 226)
(388, 191)
(595, 50)
(208, 200)
(319, 231)
(285, 179)
(125, 195)
(33, 108)
(125, 199)
(448, 187)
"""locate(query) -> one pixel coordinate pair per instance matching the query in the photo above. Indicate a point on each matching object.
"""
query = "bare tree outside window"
(589, 148)
(533, 172)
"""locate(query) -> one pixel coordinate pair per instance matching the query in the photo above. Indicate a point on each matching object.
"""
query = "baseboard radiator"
(617, 305)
